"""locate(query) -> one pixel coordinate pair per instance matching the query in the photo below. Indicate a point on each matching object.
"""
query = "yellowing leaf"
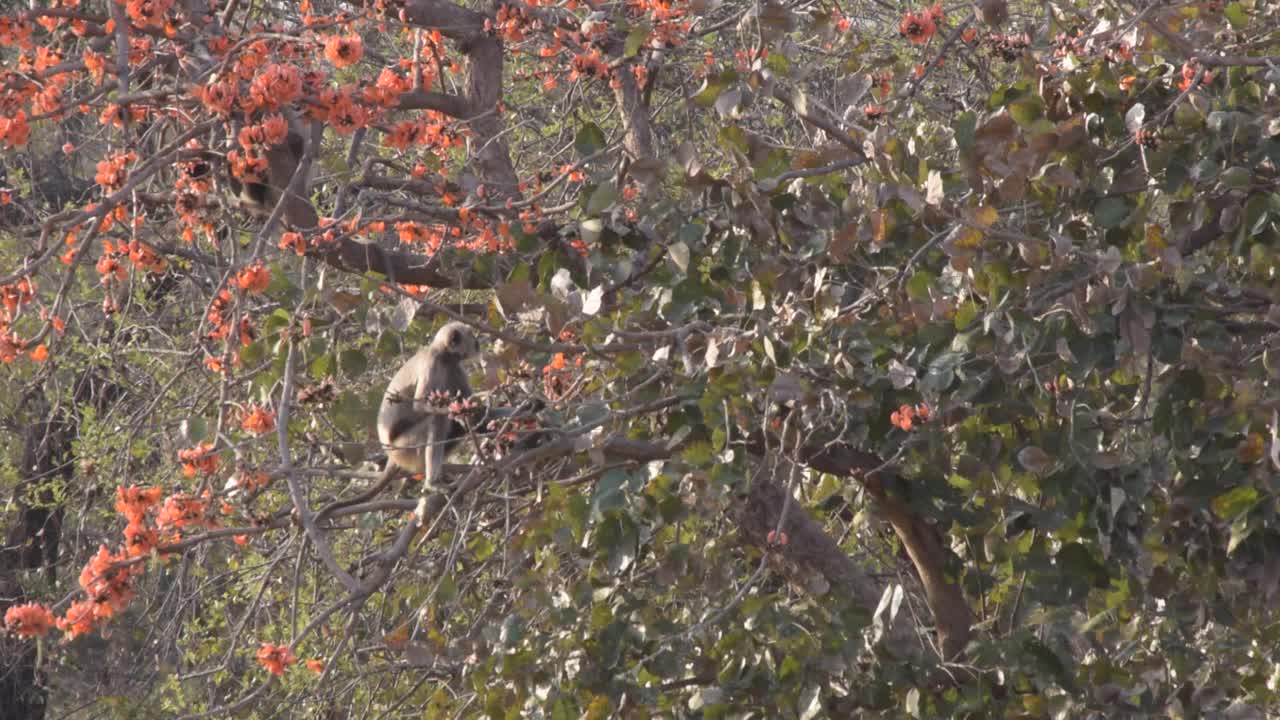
(879, 227)
(984, 216)
(1251, 449)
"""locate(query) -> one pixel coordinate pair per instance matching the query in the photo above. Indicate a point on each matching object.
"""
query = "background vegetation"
(896, 360)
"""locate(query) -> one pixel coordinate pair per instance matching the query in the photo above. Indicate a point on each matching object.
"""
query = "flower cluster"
(30, 620)
(275, 658)
(919, 27)
(198, 459)
(905, 416)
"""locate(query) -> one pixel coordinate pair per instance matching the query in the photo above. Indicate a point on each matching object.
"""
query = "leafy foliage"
(893, 362)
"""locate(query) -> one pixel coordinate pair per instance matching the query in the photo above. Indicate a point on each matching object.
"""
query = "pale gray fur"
(417, 439)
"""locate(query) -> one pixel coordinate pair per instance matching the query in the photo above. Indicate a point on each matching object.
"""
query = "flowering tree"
(890, 359)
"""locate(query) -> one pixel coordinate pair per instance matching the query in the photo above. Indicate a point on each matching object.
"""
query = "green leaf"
(601, 198)
(1076, 561)
(1236, 15)
(322, 366)
(276, 321)
(810, 705)
(590, 140)
(1111, 212)
(1236, 177)
(608, 493)
(712, 87)
(195, 428)
(698, 453)
(920, 284)
(353, 362)
(636, 39)
(1026, 110)
(1235, 501)
(253, 353)
(965, 125)
(966, 313)
(1241, 529)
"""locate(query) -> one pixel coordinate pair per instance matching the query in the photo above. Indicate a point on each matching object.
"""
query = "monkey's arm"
(431, 431)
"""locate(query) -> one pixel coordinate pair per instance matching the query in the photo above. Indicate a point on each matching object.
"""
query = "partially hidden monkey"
(260, 198)
(418, 436)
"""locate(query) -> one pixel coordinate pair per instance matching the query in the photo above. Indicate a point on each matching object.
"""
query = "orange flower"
(133, 501)
(220, 97)
(112, 172)
(924, 412)
(1189, 70)
(198, 459)
(901, 418)
(905, 416)
(275, 129)
(276, 85)
(259, 421)
(346, 116)
(275, 658)
(14, 131)
(247, 332)
(293, 241)
(107, 585)
(96, 64)
(139, 539)
(144, 256)
(108, 266)
(113, 115)
(250, 480)
(344, 51)
(80, 619)
(917, 27)
(181, 510)
(31, 620)
(874, 111)
(316, 665)
(41, 353)
(403, 135)
(254, 279)
(148, 13)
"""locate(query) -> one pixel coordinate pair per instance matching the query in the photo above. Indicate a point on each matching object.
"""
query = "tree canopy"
(888, 360)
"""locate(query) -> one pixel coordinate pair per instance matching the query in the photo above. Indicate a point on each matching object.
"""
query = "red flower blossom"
(30, 620)
(918, 27)
(344, 51)
(275, 658)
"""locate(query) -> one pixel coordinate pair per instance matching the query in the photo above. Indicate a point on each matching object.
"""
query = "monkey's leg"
(437, 442)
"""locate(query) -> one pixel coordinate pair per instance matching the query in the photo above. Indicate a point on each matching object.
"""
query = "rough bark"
(30, 543)
(481, 104)
(637, 135)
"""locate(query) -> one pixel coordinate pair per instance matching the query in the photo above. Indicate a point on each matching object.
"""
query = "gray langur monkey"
(259, 199)
(417, 435)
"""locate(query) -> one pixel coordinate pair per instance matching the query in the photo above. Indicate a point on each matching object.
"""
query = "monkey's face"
(457, 340)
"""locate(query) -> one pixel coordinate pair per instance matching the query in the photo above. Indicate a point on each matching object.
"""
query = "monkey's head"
(457, 340)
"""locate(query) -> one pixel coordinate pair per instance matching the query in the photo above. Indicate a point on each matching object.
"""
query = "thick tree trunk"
(30, 543)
